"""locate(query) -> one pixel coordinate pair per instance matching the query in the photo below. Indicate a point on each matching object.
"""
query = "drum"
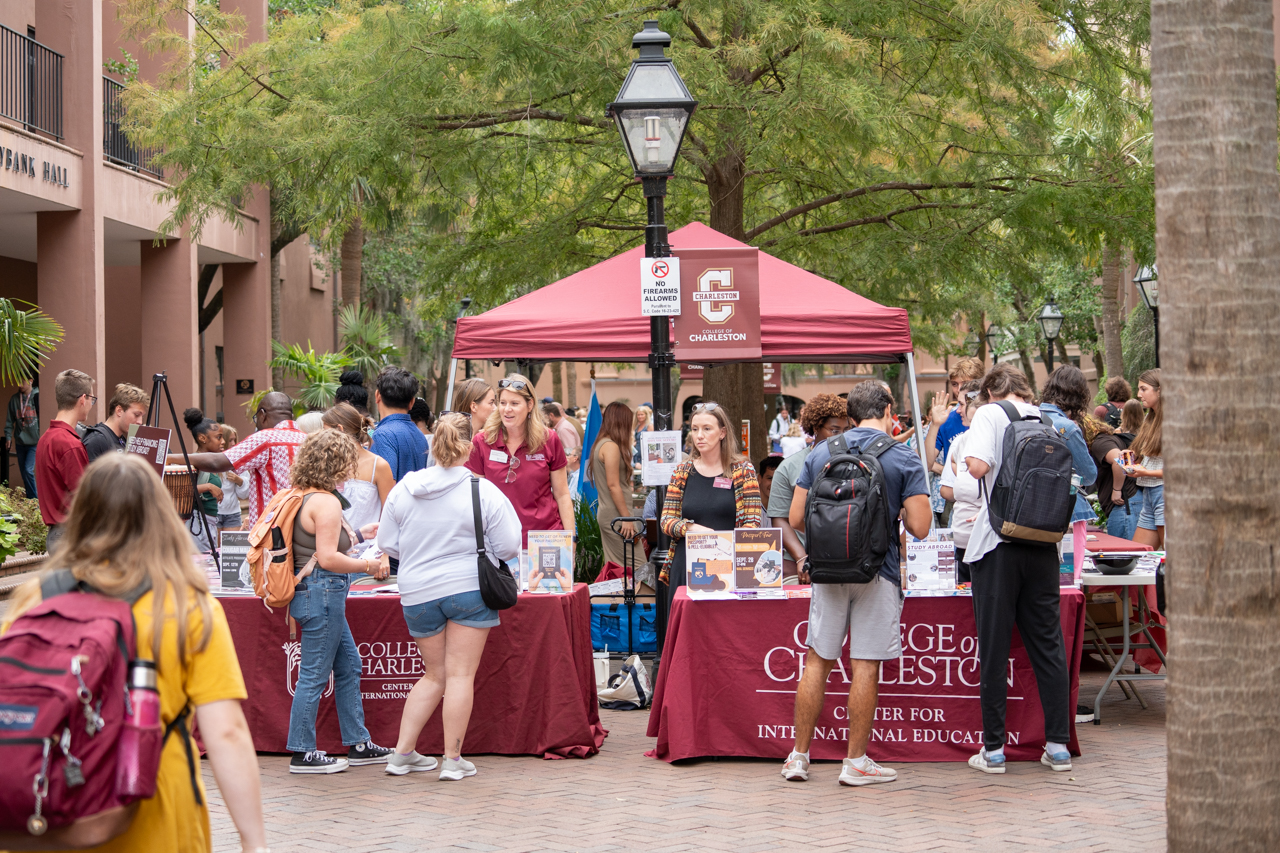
(181, 484)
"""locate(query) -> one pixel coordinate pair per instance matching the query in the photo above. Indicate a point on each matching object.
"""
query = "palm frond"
(366, 338)
(27, 339)
(317, 372)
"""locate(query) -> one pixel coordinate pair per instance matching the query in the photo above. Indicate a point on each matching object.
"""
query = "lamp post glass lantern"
(997, 337)
(1050, 320)
(652, 112)
(1149, 287)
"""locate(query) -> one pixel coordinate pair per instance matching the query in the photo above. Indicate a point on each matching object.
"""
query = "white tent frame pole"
(921, 433)
(453, 374)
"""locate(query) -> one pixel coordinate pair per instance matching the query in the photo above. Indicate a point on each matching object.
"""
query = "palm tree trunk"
(557, 382)
(1112, 274)
(1218, 233)
(352, 263)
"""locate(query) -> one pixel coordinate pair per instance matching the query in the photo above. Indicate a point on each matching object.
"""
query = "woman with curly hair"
(824, 416)
(321, 540)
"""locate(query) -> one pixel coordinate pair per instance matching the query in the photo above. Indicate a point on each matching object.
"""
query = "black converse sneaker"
(316, 761)
(368, 753)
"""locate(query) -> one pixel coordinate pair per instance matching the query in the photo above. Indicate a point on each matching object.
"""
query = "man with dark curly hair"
(824, 416)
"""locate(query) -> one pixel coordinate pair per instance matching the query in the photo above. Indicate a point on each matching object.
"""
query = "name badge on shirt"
(722, 483)
(497, 456)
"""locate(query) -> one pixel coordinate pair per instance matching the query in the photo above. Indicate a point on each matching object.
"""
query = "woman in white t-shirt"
(1150, 472)
(959, 485)
(794, 441)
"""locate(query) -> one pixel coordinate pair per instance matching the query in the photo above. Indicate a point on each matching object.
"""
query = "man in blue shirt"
(868, 614)
(397, 439)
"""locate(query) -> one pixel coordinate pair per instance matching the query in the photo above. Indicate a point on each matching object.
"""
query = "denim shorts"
(1152, 515)
(230, 521)
(465, 608)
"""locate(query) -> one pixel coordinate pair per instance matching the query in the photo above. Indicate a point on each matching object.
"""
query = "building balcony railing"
(30, 83)
(116, 146)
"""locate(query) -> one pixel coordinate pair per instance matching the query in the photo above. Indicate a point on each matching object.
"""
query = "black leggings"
(1018, 585)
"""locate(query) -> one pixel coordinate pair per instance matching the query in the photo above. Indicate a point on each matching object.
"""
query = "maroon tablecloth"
(535, 689)
(729, 671)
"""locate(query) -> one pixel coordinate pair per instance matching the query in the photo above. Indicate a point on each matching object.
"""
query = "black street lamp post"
(652, 111)
(1050, 320)
(1149, 287)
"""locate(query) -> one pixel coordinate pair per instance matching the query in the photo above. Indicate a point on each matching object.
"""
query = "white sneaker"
(454, 769)
(987, 763)
(796, 769)
(399, 765)
(868, 774)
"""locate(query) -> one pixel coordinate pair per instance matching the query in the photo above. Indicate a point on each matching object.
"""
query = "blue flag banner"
(586, 490)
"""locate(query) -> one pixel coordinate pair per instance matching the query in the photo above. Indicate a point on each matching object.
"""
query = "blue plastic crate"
(609, 627)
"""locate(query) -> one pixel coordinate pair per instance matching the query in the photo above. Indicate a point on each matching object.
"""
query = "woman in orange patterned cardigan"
(715, 489)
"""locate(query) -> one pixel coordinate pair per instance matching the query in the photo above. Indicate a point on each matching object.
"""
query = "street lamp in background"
(1050, 320)
(464, 304)
(1149, 287)
(996, 336)
(652, 111)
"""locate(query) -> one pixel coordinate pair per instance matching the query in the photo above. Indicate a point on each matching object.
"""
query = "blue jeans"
(1123, 520)
(27, 464)
(320, 607)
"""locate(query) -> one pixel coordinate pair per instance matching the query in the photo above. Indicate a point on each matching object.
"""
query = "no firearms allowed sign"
(660, 287)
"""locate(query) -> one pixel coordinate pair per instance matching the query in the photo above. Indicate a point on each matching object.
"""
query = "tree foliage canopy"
(917, 151)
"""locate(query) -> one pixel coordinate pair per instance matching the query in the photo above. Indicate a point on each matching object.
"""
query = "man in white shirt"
(568, 435)
(1014, 583)
(781, 425)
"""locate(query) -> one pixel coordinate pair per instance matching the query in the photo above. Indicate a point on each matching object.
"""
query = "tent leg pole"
(453, 374)
(920, 431)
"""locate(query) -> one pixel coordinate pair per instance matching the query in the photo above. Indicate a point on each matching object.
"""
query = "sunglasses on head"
(705, 407)
(513, 384)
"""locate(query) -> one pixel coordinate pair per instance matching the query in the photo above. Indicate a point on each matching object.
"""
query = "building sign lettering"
(25, 164)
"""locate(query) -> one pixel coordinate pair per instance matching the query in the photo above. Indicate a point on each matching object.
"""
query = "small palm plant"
(317, 372)
(27, 338)
(366, 339)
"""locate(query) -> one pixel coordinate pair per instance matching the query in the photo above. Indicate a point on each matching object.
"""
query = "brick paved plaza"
(621, 801)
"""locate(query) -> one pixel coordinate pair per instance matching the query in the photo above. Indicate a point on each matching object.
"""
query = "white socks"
(804, 755)
(860, 762)
(992, 753)
(1054, 748)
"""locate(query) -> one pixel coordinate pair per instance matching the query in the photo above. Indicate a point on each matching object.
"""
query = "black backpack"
(846, 515)
(1031, 501)
(1113, 414)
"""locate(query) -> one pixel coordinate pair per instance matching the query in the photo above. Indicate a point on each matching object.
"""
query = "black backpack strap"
(837, 445)
(58, 582)
(179, 724)
(475, 510)
(878, 447)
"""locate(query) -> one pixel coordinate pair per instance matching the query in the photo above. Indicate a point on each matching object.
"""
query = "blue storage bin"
(609, 627)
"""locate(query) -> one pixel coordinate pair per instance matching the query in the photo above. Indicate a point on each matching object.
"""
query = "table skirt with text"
(535, 690)
(730, 668)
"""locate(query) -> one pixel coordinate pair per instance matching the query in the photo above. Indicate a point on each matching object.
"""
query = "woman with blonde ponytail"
(121, 533)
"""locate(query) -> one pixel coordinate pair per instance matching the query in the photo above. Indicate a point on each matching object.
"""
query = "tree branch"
(883, 219)
(509, 116)
(751, 78)
(888, 186)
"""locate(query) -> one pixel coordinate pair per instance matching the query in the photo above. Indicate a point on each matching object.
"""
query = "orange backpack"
(271, 549)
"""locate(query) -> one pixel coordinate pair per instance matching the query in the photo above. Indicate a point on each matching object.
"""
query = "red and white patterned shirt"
(267, 456)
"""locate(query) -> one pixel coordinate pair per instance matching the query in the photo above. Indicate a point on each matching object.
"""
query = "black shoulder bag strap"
(475, 511)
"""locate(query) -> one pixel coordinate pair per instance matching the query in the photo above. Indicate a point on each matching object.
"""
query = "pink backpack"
(63, 670)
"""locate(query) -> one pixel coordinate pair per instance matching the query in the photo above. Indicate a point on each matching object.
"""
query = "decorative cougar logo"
(293, 663)
(715, 296)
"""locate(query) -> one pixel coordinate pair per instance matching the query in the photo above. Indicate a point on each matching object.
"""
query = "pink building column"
(168, 308)
(246, 288)
(69, 248)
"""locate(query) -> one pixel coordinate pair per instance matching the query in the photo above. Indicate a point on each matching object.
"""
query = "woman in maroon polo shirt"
(519, 454)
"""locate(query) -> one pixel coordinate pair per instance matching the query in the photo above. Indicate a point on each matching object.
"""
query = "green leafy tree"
(909, 151)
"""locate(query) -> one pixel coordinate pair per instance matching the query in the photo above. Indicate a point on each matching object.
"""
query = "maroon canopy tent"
(594, 315)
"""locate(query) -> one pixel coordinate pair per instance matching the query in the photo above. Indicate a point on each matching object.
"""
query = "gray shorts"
(868, 614)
